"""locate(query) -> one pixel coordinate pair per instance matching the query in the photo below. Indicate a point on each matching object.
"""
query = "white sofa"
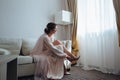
(22, 47)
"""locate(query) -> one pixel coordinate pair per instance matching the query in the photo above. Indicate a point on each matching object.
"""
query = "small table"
(8, 67)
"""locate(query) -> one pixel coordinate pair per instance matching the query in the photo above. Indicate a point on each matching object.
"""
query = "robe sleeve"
(53, 48)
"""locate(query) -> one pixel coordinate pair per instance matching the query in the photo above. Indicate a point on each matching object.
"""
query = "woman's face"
(54, 30)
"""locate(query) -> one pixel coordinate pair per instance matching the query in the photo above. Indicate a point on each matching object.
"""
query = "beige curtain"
(117, 10)
(72, 6)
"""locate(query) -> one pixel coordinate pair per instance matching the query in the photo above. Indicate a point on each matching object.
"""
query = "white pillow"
(4, 51)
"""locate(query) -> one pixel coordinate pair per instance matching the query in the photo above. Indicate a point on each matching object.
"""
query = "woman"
(50, 55)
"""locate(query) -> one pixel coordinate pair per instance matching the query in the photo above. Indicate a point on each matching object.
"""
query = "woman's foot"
(77, 58)
(73, 59)
(51, 79)
(68, 69)
(67, 73)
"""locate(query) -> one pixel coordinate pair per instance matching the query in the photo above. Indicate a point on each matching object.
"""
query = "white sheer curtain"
(97, 36)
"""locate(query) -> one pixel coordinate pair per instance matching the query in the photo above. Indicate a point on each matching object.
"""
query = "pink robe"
(50, 59)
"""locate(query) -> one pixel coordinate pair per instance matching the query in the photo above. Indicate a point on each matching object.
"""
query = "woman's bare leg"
(71, 57)
(65, 71)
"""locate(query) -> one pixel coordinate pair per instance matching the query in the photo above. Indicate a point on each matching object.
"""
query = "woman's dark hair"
(50, 26)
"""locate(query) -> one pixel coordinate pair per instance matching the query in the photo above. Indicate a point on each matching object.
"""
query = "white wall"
(27, 18)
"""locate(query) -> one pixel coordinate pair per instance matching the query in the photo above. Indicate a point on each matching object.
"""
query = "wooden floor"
(79, 74)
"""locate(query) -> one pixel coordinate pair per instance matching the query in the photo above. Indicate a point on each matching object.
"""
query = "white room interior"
(28, 18)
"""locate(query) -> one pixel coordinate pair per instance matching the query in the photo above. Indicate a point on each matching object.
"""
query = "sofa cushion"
(27, 45)
(11, 44)
(24, 60)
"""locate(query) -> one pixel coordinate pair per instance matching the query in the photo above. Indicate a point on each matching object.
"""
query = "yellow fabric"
(117, 10)
(72, 6)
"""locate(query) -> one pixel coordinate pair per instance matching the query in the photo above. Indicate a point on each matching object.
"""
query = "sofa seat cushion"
(25, 60)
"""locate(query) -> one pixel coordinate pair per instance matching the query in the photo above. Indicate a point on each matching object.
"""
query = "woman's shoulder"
(44, 36)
